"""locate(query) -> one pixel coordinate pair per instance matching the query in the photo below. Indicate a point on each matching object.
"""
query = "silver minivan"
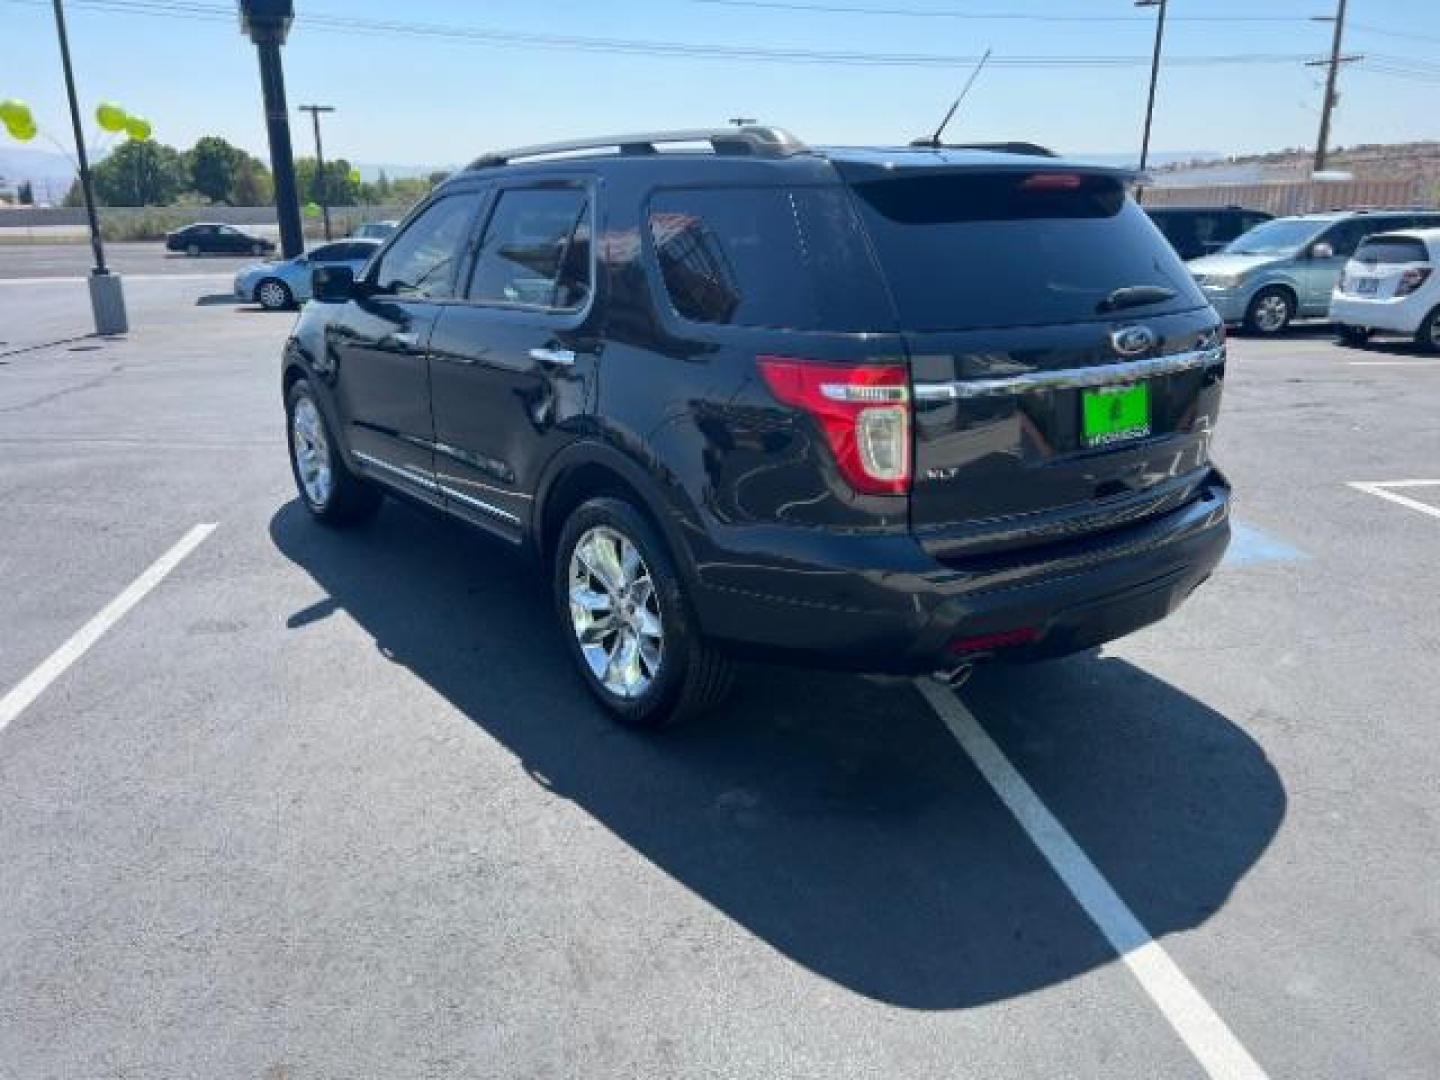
(1288, 268)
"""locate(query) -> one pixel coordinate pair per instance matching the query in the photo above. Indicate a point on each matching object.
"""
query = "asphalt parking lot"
(283, 802)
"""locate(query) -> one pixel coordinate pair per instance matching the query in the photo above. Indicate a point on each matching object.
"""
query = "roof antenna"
(934, 140)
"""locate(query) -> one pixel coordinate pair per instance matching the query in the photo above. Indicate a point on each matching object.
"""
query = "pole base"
(107, 302)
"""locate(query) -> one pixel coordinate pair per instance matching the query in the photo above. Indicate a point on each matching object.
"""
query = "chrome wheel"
(1272, 312)
(311, 451)
(615, 612)
(272, 295)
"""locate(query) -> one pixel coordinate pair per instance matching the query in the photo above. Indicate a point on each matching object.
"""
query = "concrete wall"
(1298, 197)
(32, 217)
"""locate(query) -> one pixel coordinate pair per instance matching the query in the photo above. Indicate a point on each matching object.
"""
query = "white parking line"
(55, 665)
(1214, 1045)
(1382, 489)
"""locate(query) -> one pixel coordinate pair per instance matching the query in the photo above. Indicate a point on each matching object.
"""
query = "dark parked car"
(1194, 231)
(211, 238)
(896, 410)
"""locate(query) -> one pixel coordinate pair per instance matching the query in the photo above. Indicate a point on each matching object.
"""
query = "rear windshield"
(1391, 251)
(790, 258)
(975, 249)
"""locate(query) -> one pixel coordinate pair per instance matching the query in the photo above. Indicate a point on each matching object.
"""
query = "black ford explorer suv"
(891, 410)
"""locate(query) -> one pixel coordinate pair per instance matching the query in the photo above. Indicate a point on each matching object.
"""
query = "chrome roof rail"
(752, 141)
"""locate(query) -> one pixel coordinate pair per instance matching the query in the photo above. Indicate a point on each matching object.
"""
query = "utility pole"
(320, 179)
(1154, 82)
(107, 299)
(268, 22)
(1322, 144)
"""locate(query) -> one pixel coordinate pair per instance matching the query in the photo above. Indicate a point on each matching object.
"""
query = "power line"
(933, 13)
(675, 49)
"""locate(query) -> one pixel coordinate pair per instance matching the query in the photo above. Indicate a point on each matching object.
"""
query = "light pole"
(1154, 81)
(320, 179)
(268, 22)
(107, 296)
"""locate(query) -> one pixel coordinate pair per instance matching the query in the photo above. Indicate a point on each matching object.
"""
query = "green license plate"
(1114, 414)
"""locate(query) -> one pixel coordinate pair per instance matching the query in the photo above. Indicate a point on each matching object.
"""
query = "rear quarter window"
(792, 258)
(1391, 251)
(974, 249)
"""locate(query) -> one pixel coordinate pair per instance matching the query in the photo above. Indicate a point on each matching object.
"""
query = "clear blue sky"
(427, 99)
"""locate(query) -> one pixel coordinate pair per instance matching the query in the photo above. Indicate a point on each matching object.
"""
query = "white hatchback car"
(1391, 284)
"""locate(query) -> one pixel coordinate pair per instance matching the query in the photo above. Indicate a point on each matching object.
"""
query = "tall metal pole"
(107, 296)
(321, 180)
(268, 22)
(1154, 82)
(97, 245)
(1322, 145)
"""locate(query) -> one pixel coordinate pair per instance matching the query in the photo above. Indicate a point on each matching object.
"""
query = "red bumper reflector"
(1000, 639)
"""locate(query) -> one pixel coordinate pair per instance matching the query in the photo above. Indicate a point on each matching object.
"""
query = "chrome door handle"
(405, 339)
(555, 357)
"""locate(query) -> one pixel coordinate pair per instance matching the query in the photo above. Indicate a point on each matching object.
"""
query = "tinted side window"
(422, 260)
(329, 253)
(1346, 236)
(536, 250)
(787, 258)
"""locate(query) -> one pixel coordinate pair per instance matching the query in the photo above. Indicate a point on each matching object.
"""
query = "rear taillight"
(864, 410)
(1412, 279)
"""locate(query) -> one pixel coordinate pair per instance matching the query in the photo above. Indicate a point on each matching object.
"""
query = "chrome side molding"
(1126, 371)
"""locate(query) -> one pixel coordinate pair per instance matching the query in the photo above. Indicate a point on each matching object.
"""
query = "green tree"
(338, 185)
(25, 194)
(253, 185)
(214, 167)
(140, 174)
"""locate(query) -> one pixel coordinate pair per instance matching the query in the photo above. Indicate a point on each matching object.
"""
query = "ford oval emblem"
(1132, 340)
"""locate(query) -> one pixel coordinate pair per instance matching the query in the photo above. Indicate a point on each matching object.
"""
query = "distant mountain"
(50, 173)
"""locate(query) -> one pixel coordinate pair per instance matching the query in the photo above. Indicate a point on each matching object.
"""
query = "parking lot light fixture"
(267, 22)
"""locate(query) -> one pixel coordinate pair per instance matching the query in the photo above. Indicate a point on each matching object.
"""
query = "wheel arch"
(586, 469)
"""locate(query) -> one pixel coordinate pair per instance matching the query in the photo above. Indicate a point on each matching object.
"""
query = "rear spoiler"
(909, 162)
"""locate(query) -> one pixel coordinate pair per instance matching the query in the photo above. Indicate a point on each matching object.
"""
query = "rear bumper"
(882, 604)
(1403, 315)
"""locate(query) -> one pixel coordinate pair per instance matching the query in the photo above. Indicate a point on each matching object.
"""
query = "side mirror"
(332, 284)
(1322, 250)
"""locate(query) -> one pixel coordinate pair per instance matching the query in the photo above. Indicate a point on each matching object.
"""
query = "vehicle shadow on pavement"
(832, 816)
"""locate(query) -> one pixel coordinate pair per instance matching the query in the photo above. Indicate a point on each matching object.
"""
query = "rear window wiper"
(1135, 296)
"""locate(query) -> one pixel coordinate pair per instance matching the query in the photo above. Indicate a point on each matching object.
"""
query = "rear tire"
(1270, 312)
(628, 622)
(1353, 336)
(1428, 336)
(328, 489)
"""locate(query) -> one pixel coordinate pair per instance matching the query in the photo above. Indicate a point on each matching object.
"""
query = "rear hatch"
(1065, 366)
(1387, 267)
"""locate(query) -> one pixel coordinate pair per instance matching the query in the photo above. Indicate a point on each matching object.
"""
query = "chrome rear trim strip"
(1126, 371)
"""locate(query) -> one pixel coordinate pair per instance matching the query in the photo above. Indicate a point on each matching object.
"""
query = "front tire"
(628, 622)
(329, 490)
(1353, 336)
(1428, 336)
(273, 295)
(1270, 312)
